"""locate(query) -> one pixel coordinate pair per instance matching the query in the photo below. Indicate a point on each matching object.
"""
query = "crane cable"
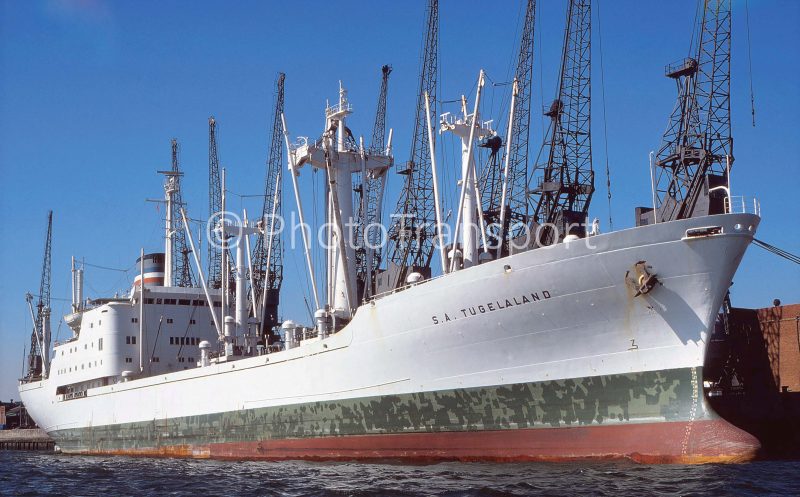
(750, 64)
(777, 251)
(605, 122)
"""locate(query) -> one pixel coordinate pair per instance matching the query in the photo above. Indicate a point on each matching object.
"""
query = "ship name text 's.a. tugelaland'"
(497, 305)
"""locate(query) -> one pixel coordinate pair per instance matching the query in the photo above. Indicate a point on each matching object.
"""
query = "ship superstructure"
(156, 329)
(556, 343)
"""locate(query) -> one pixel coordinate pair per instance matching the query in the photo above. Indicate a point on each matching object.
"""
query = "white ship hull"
(546, 354)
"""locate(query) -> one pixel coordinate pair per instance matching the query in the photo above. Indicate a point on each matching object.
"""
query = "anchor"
(640, 278)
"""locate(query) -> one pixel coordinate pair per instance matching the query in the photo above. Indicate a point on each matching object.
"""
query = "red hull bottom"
(704, 441)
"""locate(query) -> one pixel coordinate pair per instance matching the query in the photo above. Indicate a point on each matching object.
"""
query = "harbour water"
(45, 474)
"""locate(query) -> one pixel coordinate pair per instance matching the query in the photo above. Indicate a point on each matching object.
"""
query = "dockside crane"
(516, 203)
(693, 163)
(181, 266)
(371, 192)
(413, 230)
(564, 190)
(39, 353)
(267, 266)
(214, 205)
(377, 142)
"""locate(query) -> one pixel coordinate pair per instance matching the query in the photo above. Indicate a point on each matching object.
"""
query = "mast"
(341, 270)
(413, 231)
(340, 157)
(77, 287)
(565, 190)
(169, 190)
(697, 147)
(468, 129)
(171, 187)
(141, 310)
(268, 253)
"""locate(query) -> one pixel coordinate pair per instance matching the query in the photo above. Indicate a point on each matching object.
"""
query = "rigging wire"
(28, 326)
(700, 6)
(605, 121)
(505, 100)
(750, 63)
(491, 101)
(777, 251)
(52, 298)
(536, 164)
(125, 274)
(60, 322)
(186, 332)
(305, 289)
(107, 268)
(512, 66)
(541, 76)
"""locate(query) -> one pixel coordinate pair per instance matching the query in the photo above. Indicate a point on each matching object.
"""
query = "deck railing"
(740, 204)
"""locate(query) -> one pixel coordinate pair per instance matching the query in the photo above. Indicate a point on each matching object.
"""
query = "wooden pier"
(25, 440)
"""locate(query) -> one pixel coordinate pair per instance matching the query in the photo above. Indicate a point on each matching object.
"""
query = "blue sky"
(91, 92)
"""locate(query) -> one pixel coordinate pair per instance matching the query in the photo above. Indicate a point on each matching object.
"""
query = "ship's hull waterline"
(544, 355)
(555, 420)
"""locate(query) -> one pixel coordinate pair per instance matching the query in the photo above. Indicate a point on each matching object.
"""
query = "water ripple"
(41, 474)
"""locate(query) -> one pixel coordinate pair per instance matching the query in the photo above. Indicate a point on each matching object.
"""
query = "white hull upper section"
(546, 314)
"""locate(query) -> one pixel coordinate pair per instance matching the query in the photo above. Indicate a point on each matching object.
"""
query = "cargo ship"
(539, 339)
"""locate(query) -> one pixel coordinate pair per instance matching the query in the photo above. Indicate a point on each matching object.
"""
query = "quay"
(753, 363)
(32, 439)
